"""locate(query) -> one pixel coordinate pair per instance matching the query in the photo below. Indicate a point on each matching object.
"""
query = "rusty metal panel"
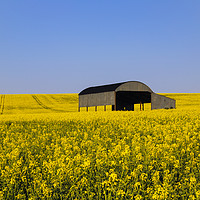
(160, 102)
(97, 99)
(133, 86)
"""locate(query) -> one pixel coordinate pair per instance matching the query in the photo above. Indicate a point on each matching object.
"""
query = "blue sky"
(65, 46)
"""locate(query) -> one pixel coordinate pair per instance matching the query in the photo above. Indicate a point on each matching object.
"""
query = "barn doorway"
(125, 100)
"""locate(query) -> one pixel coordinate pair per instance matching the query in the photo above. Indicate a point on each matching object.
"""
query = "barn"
(123, 96)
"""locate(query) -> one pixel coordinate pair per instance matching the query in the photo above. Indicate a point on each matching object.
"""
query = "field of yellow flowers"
(48, 150)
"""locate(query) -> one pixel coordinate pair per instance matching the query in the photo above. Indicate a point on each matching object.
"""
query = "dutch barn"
(123, 96)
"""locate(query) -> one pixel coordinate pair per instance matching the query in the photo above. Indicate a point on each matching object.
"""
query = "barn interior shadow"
(125, 100)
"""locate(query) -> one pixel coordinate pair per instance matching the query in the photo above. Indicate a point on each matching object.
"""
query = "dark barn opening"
(125, 100)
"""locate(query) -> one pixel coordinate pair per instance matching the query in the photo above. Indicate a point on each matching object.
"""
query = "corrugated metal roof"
(102, 88)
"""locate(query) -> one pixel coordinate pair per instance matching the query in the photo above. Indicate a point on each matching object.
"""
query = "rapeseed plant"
(99, 155)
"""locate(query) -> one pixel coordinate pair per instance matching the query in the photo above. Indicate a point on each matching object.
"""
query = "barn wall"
(97, 99)
(133, 86)
(159, 102)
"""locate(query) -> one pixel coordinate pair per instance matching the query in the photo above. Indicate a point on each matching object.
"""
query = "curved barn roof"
(123, 86)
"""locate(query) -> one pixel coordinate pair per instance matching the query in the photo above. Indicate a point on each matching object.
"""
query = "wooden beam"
(104, 107)
(95, 108)
(87, 108)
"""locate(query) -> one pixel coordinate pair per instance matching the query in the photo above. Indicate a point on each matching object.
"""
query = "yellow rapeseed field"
(48, 150)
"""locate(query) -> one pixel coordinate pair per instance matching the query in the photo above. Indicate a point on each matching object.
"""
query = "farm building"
(123, 96)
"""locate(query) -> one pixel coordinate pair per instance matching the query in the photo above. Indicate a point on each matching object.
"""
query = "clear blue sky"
(65, 46)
